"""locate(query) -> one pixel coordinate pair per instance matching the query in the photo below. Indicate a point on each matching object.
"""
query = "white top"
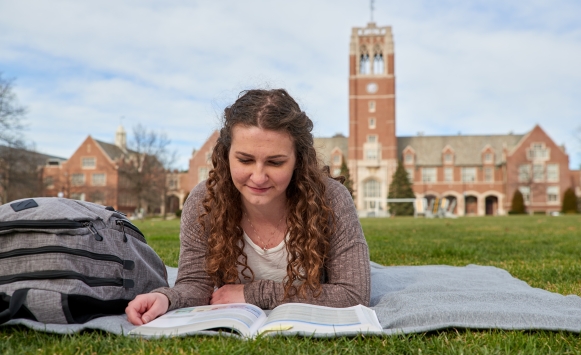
(266, 265)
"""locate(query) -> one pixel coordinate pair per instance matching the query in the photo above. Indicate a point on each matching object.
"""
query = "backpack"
(67, 261)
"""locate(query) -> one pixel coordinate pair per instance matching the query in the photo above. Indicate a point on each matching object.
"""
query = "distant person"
(269, 226)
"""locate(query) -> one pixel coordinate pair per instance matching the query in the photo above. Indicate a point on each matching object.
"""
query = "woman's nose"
(258, 176)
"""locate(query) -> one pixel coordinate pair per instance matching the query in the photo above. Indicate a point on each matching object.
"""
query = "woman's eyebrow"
(269, 157)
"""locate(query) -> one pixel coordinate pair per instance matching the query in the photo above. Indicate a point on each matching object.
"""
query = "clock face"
(372, 88)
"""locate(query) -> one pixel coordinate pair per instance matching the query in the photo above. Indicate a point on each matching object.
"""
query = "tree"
(518, 203)
(348, 181)
(19, 173)
(11, 115)
(143, 170)
(401, 187)
(569, 201)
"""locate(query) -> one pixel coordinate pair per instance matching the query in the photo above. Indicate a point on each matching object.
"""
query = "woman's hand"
(228, 294)
(146, 307)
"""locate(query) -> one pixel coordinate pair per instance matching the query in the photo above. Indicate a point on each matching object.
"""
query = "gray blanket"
(413, 299)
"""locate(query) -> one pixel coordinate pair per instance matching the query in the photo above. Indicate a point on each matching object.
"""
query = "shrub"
(179, 213)
(569, 202)
(518, 203)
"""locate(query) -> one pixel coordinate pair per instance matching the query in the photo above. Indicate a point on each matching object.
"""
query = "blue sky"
(475, 67)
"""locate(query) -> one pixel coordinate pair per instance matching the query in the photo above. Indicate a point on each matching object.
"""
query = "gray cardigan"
(347, 281)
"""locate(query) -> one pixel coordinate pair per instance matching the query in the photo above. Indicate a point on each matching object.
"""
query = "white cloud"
(475, 67)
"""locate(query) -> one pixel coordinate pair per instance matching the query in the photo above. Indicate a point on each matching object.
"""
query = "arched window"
(378, 63)
(371, 191)
(364, 64)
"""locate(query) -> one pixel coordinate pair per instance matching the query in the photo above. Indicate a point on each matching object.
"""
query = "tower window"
(364, 64)
(372, 138)
(378, 63)
(372, 123)
(371, 106)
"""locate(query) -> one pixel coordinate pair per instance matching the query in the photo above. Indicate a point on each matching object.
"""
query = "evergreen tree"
(569, 201)
(518, 203)
(401, 187)
(345, 173)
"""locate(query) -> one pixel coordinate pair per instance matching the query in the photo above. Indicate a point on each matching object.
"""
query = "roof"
(41, 158)
(325, 146)
(467, 149)
(113, 151)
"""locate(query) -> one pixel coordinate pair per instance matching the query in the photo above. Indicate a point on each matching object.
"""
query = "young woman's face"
(262, 164)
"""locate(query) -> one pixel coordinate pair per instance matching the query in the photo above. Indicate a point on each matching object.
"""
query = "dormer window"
(448, 158)
(487, 157)
(408, 158)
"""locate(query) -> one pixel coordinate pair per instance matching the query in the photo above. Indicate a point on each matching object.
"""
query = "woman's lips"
(258, 189)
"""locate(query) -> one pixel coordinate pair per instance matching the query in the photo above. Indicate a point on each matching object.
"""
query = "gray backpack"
(67, 261)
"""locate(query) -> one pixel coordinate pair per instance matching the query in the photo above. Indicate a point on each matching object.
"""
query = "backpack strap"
(16, 302)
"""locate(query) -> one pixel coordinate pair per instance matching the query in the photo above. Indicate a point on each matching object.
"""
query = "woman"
(268, 226)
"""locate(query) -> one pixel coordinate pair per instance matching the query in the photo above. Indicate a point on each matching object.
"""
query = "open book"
(251, 321)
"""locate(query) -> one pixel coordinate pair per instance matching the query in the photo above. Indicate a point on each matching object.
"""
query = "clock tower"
(372, 143)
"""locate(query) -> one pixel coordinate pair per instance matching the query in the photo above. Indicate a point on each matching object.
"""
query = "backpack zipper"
(51, 224)
(69, 275)
(127, 264)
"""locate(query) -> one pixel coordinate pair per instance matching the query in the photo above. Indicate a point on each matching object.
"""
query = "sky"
(469, 67)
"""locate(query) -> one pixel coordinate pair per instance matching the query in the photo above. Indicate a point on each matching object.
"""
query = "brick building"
(479, 173)
(92, 174)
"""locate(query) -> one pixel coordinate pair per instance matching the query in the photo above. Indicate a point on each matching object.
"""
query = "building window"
(49, 182)
(553, 195)
(410, 172)
(371, 106)
(208, 157)
(526, 194)
(378, 63)
(429, 175)
(89, 163)
(488, 174)
(78, 179)
(372, 138)
(98, 197)
(337, 159)
(538, 172)
(488, 158)
(364, 64)
(172, 182)
(98, 179)
(371, 154)
(203, 173)
(448, 174)
(371, 192)
(538, 151)
(468, 174)
(409, 158)
(553, 172)
(524, 173)
(336, 171)
(127, 199)
(448, 158)
(372, 123)
(78, 196)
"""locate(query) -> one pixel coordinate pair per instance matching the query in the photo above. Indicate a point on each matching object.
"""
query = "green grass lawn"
(543, 251)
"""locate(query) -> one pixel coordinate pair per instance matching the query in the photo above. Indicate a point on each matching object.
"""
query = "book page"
(245, 318)
(298, 317)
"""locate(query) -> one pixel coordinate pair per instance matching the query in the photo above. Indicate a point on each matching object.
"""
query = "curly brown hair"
(310, 220)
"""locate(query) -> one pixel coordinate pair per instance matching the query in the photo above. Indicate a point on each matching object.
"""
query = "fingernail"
(145, 319)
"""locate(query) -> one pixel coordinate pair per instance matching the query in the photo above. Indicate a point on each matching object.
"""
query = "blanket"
(415, 299)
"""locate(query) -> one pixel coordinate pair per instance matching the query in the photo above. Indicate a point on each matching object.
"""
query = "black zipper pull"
(93, 231)
(120, 223)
